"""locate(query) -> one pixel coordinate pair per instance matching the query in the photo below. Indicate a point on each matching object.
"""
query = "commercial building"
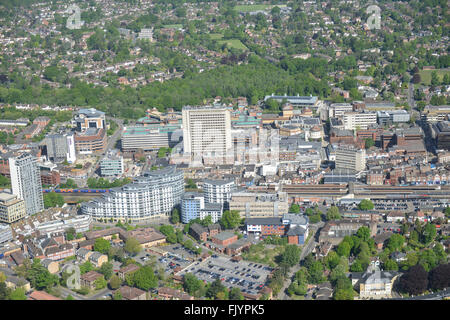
(59, 147)
(26, 182)
(348, 157)
(112, 165)
(206, 131)
(146, 34)
(193, 206)
(81, 223)
(151, 195)
(5, 233)
(90, 141)
(262, 205)
(149, 137)
(359, 120)
(393, 116)
(296, 101)
(12, 209)
(90, 136)
(338, 109)
(218, 191)
(441, 133)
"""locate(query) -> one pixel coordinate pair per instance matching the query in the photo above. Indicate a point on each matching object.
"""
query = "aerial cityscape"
(224, 150)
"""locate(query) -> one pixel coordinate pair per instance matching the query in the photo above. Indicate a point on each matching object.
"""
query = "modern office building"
(89, 118)
(338, 109)
(206, 130)
(218, 191)
(26, 182)
(12, 209)
(441, 132)
(149, 137)
(81, 223)
(359, 120)
(59, 147)
(90, 136)
(296, 101)
(348, 157)
(5, 233)
(393, 116)
(259, 205)
(112, 165)
(152, 195)
(193, 206)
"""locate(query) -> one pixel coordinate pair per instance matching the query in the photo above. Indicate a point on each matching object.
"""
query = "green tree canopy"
(230, 219)
(366, 205)
(132, 246)
(333, 213)
(102, 245)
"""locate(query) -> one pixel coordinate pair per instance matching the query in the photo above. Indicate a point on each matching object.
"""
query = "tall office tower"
(206, 131)
(26, 182)
(351, 158)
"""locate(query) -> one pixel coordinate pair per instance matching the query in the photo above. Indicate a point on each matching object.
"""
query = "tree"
(117, 295)
(101, 245)
(115, 282)
(333, 213)
(439, 277)
(100, 283)
(356, 266)
(2, 277)
(39, 277)
(86, 267)
(332, 260)
(343, 289)
(429, 233)
(390, 265)
(366, 205)
(395, 242)
(169, 232)
(414, 281)
(291, 255)
(191, 284)
(214, 289)
(416, 78)
(343, 249)
(18, 294)
(315, 272)
(368, 143)
(132, 246)
(69, 297)
(144, 278)
(230, 219)
(107, 270)
(295, 208)
(236, 294)
(363, 233)
(4, 291)
(175, 217)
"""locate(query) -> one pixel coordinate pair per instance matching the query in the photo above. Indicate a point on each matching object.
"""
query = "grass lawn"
(256, 7)
(173, 26)
(425, 75)
(260, 254)
(216, 36)
(234, 43)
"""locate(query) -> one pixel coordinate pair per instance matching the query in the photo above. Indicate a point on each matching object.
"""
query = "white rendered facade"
(149, 196)
(26, 182)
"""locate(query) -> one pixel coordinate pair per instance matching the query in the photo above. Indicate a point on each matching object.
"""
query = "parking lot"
(248, 276)
(176, 256)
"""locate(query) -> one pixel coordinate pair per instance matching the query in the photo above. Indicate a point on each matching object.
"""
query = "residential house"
(98, 259)
(127, 270)
(165, 293)
(88, 279)
(129, 293)
(42, 295)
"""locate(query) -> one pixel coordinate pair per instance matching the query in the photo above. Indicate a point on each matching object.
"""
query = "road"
(307, 249)
(111, 142)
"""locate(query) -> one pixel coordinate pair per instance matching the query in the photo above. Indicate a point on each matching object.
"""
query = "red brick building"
(224, 238)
